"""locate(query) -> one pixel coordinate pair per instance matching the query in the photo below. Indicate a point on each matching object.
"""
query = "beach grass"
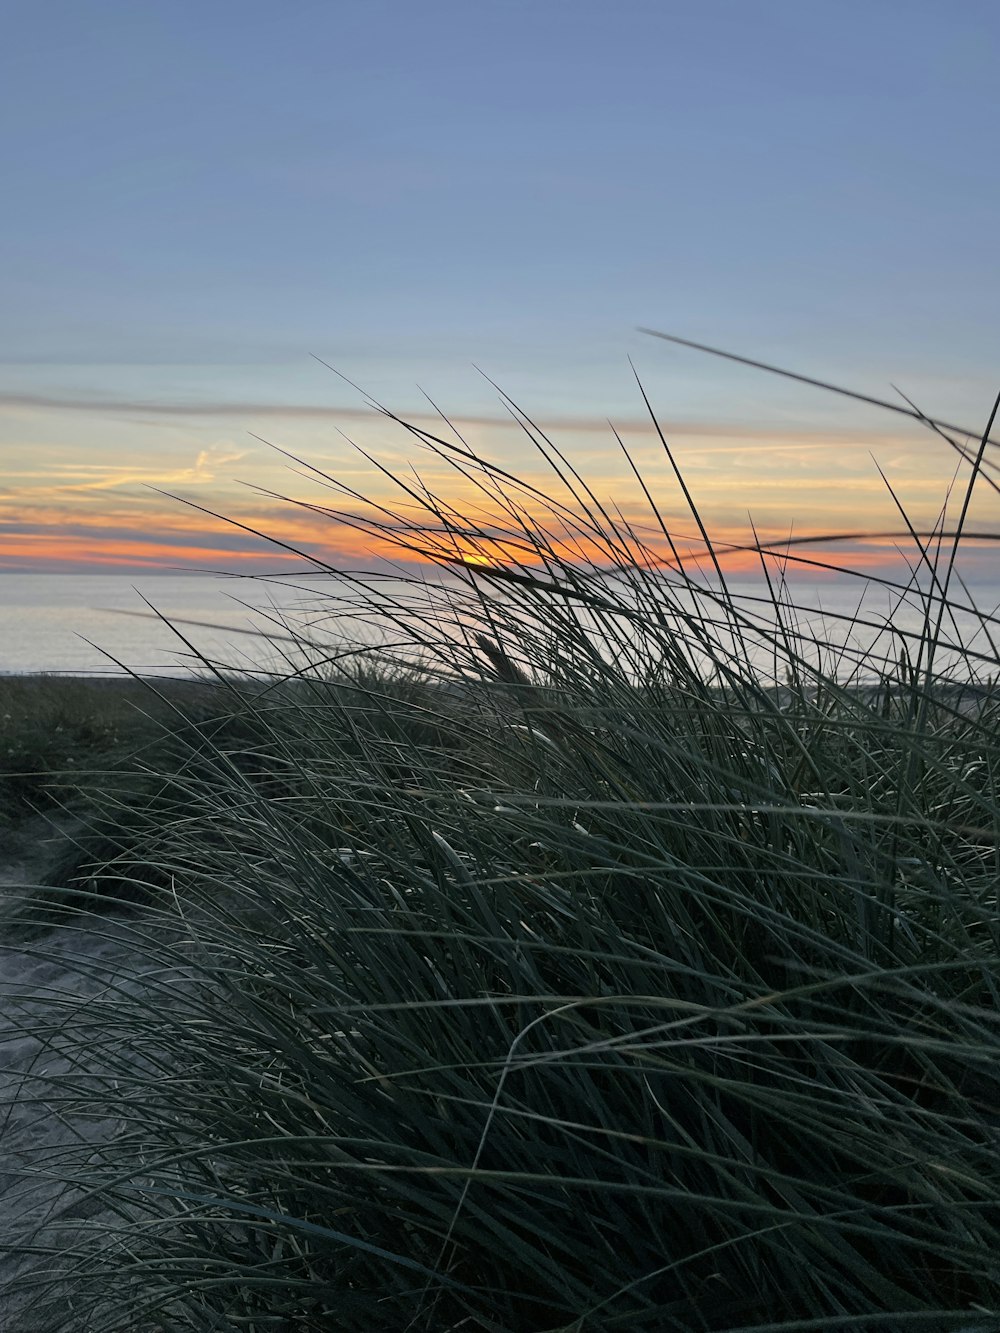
(594, 950)
(49, 728)
(60, 733)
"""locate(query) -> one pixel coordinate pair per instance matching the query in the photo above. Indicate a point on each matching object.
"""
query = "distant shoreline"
(118, 680)
(958, 694)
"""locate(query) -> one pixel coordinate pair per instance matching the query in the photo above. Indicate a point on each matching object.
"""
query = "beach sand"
(43, 984)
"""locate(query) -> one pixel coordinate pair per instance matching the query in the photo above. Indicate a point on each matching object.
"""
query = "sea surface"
(98, 624)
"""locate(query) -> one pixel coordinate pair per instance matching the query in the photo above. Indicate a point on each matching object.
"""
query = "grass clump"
(62, 735)
(613, 953)
(87, 763)
(49, 728)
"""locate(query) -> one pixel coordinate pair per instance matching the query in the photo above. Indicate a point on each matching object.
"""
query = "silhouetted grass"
(611, 953)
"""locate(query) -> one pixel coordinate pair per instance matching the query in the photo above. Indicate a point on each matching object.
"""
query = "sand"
(42, 984)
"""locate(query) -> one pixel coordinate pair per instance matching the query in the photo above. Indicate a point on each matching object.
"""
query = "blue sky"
(200, 196)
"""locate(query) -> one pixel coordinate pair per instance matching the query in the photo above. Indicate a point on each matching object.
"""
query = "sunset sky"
(200, 199)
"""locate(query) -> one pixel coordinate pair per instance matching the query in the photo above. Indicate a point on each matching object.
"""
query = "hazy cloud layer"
(110, 405)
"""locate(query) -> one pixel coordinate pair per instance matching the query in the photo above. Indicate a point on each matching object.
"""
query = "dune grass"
(600, 951)
(51, 727)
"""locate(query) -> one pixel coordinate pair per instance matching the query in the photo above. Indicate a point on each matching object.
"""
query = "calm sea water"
(89, 623)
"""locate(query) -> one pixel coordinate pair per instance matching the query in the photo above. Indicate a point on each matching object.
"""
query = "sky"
(204, 203)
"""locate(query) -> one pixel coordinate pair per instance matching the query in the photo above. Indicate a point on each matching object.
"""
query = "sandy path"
(42, 984)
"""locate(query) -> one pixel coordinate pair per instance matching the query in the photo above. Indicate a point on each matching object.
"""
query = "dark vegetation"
(597, 953)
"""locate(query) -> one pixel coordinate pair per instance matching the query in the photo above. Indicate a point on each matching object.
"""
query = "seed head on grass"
(506, 671)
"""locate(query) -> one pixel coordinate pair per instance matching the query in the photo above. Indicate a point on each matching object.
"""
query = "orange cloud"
(53, 538)
(57, 511)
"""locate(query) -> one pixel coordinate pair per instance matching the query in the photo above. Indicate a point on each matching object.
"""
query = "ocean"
(97, 624)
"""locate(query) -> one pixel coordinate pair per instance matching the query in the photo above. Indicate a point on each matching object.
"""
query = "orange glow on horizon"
(85, 496)
(120, 532)
(207, 544)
